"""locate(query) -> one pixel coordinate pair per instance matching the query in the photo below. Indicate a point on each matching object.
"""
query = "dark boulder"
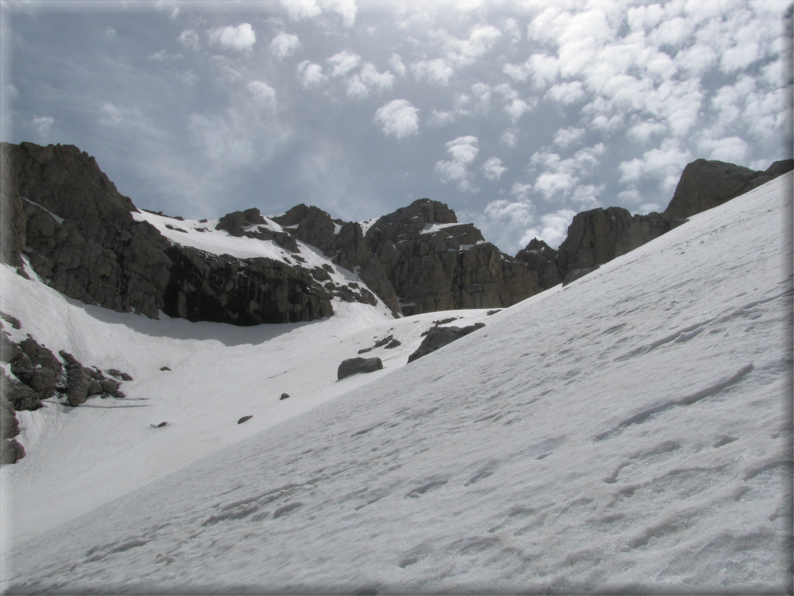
(284, 396)
(438, 337)
(11, 451)
(354, 366)
(245, 418)
(19, 395)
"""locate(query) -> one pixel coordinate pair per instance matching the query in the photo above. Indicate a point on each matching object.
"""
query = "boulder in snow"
(438, 337)
(353, 366)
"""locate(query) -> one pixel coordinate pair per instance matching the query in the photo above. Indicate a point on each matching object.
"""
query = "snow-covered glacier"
(629, 432)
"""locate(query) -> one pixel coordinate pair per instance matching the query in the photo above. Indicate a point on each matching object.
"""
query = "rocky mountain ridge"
(82, 236)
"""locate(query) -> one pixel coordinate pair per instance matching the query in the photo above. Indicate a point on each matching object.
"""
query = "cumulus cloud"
(436, 72)
(310, 74)
(559, 177)
(343, 62)
(397, 65)
(189, 39)
(301, 9)
(514, 105)
(368, 81)
(463, 151)
(263, 93)
(553, 228)
(664, 164)
(240, 38)
(284, 44)
(567, 137)
(730, 149)
(398, 118)
(566, 93)
(493, 168)
(109, 115)
(42, 124)
(463, 52)
(509, 138)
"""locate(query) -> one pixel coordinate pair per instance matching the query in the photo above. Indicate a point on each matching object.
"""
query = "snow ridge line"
(644, 415)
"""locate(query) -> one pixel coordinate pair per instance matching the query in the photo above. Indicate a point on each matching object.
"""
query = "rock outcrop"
(597, 236)
(434, 263)
(37, 374)
(706, 184)
(438, 337)
(83, 240)
(354, 366)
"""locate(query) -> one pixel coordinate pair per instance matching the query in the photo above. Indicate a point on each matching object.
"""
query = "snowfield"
(630, 432)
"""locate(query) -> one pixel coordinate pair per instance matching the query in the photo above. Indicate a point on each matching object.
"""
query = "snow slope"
(629, 432)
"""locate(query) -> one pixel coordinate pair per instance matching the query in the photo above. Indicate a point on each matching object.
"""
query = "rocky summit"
(89, 242)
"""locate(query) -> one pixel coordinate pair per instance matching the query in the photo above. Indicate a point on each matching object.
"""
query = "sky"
(516, 114)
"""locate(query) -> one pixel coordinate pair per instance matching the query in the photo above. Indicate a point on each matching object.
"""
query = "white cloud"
(11, 91)
(343, 63)
(189, 39)
(553, 229)
(664, 164)
(559, 177)
(437, 71)
(739, 57)
(42, 124)
(585, 196)
(643, 131)
(517, 108)
(493, 168)
(264, 94)
(110, 32)
(730, 149)
(509, 138)
(463, 151)
(109, 115)
(566, 93)
(241, 37)
(696, 59)
(310, 74)
(398, 118)
(284, 44)
(221, 139)
(397, 65)
(463, 52)
(567, 137)
(361, 85)
(173, 5)
(440, 118)
(521, 191)
(301, 9)
(514, 105)
(506, 222)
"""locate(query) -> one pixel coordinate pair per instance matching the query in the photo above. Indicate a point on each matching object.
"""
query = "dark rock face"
(223, 289)
(598, 236)
(247, 223)
(432, 268)
(438, 337)
(85, 243)
(354, 366)
(541, 258)
(706, 184)
(312, 226)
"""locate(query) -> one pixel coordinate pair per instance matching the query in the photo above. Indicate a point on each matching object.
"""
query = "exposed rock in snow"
(706, 184)
(354, 366)
(438, 337)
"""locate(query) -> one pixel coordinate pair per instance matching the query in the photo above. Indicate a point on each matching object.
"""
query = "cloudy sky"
(515, 114)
